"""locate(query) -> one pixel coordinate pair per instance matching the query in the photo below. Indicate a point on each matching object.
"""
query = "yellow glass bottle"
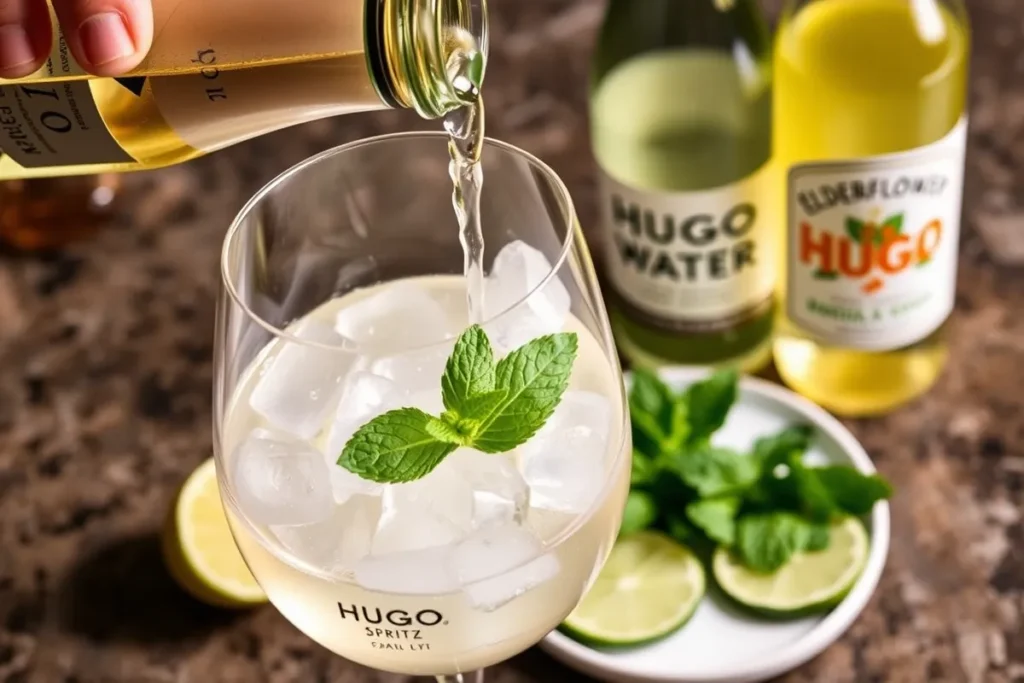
(870, 122)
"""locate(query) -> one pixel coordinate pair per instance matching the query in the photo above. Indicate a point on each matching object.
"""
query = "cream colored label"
(215, 109)
(61, 62)
(689, 258)
(55, 124)
(873, 245)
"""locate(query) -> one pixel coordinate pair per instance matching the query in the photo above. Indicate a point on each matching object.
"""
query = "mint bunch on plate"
(764, 505)
(491, 405)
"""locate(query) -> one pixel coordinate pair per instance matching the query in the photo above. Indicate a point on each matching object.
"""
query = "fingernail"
(105, 38)
(15, 50)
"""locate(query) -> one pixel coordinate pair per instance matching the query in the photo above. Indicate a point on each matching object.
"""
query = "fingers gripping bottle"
(681, 122)
(870, 126)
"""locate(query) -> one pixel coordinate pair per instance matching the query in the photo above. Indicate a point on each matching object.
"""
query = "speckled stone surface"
(105, 382)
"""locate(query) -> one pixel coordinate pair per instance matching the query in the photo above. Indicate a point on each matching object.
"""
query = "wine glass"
(343, 296)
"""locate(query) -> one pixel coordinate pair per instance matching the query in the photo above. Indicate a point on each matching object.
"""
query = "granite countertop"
(105, 382)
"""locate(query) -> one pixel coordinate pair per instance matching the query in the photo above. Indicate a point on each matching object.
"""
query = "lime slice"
(199, 549)
(648, 588)
(810, 582)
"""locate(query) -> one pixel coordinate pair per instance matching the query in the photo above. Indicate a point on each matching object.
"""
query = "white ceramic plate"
(721, 644)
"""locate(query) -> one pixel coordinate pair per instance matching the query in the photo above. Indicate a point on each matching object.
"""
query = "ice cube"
(298, 386)
(399, 316)
(279, 480)
(416, 371)
(365, 395)
(498, 564)
(500, 494)
(338, 542)
(518, 270)
(436, 510)
(416, 572)
(564, 463)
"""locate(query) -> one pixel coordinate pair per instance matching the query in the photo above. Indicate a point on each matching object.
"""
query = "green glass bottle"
(681, 123)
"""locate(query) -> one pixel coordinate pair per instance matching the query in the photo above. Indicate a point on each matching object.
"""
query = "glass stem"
(472, 677)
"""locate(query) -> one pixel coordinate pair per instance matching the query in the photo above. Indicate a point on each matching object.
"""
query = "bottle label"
(55, 124)
(873, 245)
(689, 261)
(61, 62)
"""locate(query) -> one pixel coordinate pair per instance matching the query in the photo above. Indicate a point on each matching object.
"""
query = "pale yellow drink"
(475, 622)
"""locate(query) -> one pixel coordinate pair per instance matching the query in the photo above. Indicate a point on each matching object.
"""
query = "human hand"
(106, 37)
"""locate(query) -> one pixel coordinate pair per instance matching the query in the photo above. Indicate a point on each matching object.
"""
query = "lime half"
(648, 588)
(810, 582)
(199, 550)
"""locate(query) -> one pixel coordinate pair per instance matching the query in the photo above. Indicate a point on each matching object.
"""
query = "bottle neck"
(426, 55)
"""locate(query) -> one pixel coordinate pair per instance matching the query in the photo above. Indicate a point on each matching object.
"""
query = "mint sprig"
(765, 505)
(490, 406)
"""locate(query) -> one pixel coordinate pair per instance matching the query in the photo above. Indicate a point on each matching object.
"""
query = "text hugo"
(395, 617)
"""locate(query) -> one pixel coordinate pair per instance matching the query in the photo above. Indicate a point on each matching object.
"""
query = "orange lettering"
(809, 248)
(892, 260)
(846, 250)
(928, 240)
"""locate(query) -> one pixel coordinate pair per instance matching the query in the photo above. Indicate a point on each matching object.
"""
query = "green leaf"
(534, 376)
(716, 517)
(826, 275)
(766, 542)
(478, 411)
(399, 446)
(639, 513)
(894, 221)
(774, 450)
(469, 372)
(644, 470)
(681, 530)
(657, 416)
(818, 537)
(708, 403)
(854, 228)
(790, 485)
(716, 471)
(670, 492)
(814, 500)
(852, 491)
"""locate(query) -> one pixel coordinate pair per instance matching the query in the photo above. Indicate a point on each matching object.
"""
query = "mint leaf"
(766, 542)
(643, 470)
(854, 228)
(716, 517)
(708, 403)
(852, 491)
(813, 499)
(534, 378)
(469, 372)
(774, 450)
(477, 411)
(658, 416)
(716, 471)
(682, 531)
(817, 538)
(399, 446)
(639, 513)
